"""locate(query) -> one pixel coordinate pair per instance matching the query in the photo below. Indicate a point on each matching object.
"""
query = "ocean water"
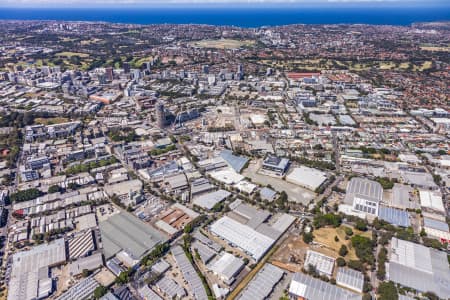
(243, 17)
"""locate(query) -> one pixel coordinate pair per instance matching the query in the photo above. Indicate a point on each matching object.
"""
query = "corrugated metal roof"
(394, 216)
(364, 188)
(419, 267)
(189, 273)
(263, 283)
(125, 232)
(435, 224)
(350, 278)
(314, 289)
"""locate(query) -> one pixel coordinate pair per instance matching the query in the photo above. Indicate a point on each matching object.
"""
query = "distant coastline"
(241, 17)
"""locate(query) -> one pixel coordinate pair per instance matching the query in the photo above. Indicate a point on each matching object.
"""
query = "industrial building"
(309, 288)
(362, 198)
(394, 216)
(431, 200)
(227, 267)
(350, 279)
(262, 285)
(30, 275)
(189, 274)
(276, 165)
(322, 263)
(421, 268)
(124, 232)
(234, 161)
(307, 177)
(436, 228)
(207, 201)
(246, 238)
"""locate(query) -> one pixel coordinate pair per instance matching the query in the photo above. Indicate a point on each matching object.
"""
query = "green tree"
(387, 291)
(308, 237)
(340, 262)
(54, 189)
(100, 291)
(343, 250)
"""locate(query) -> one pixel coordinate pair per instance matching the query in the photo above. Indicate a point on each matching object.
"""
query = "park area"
(291, 254)
(325, 236)
(222, 44)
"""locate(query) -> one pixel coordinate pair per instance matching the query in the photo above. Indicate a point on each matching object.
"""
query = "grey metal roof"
(365, 188)
(350, 278)
(123, 231)
(208, 200)
(267, 193)
(236, 162)
(314, 289)
(227, 265)
(263, 283)
(206, 241)
(189, 273)
(169, 287)
(419, 267)
(435, 224)
(206, 253)
(82, 290)
(394, 216)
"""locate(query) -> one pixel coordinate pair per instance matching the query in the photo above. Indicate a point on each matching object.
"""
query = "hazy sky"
(169, 3)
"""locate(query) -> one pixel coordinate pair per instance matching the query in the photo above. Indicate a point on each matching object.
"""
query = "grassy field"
(70, 54)
(222, 44)
(321, 64)
(325, 236)
(50, 121)
(435, 48)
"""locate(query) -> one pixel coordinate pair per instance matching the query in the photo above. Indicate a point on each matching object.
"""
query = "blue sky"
(195, 3)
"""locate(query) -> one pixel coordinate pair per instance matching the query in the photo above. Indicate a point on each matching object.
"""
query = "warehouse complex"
(124, 232)
(30, 274)
(419, 267)
(307, 287)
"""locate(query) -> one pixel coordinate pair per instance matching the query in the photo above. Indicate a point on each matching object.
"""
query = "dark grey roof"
(124, 231)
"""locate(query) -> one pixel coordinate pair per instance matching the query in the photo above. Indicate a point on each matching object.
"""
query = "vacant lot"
(222, 44)
(291, 254)
(325, 236)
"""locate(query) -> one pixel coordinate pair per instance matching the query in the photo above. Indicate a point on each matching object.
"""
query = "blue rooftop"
(435, 224)
(236, 162)
(394, 216)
